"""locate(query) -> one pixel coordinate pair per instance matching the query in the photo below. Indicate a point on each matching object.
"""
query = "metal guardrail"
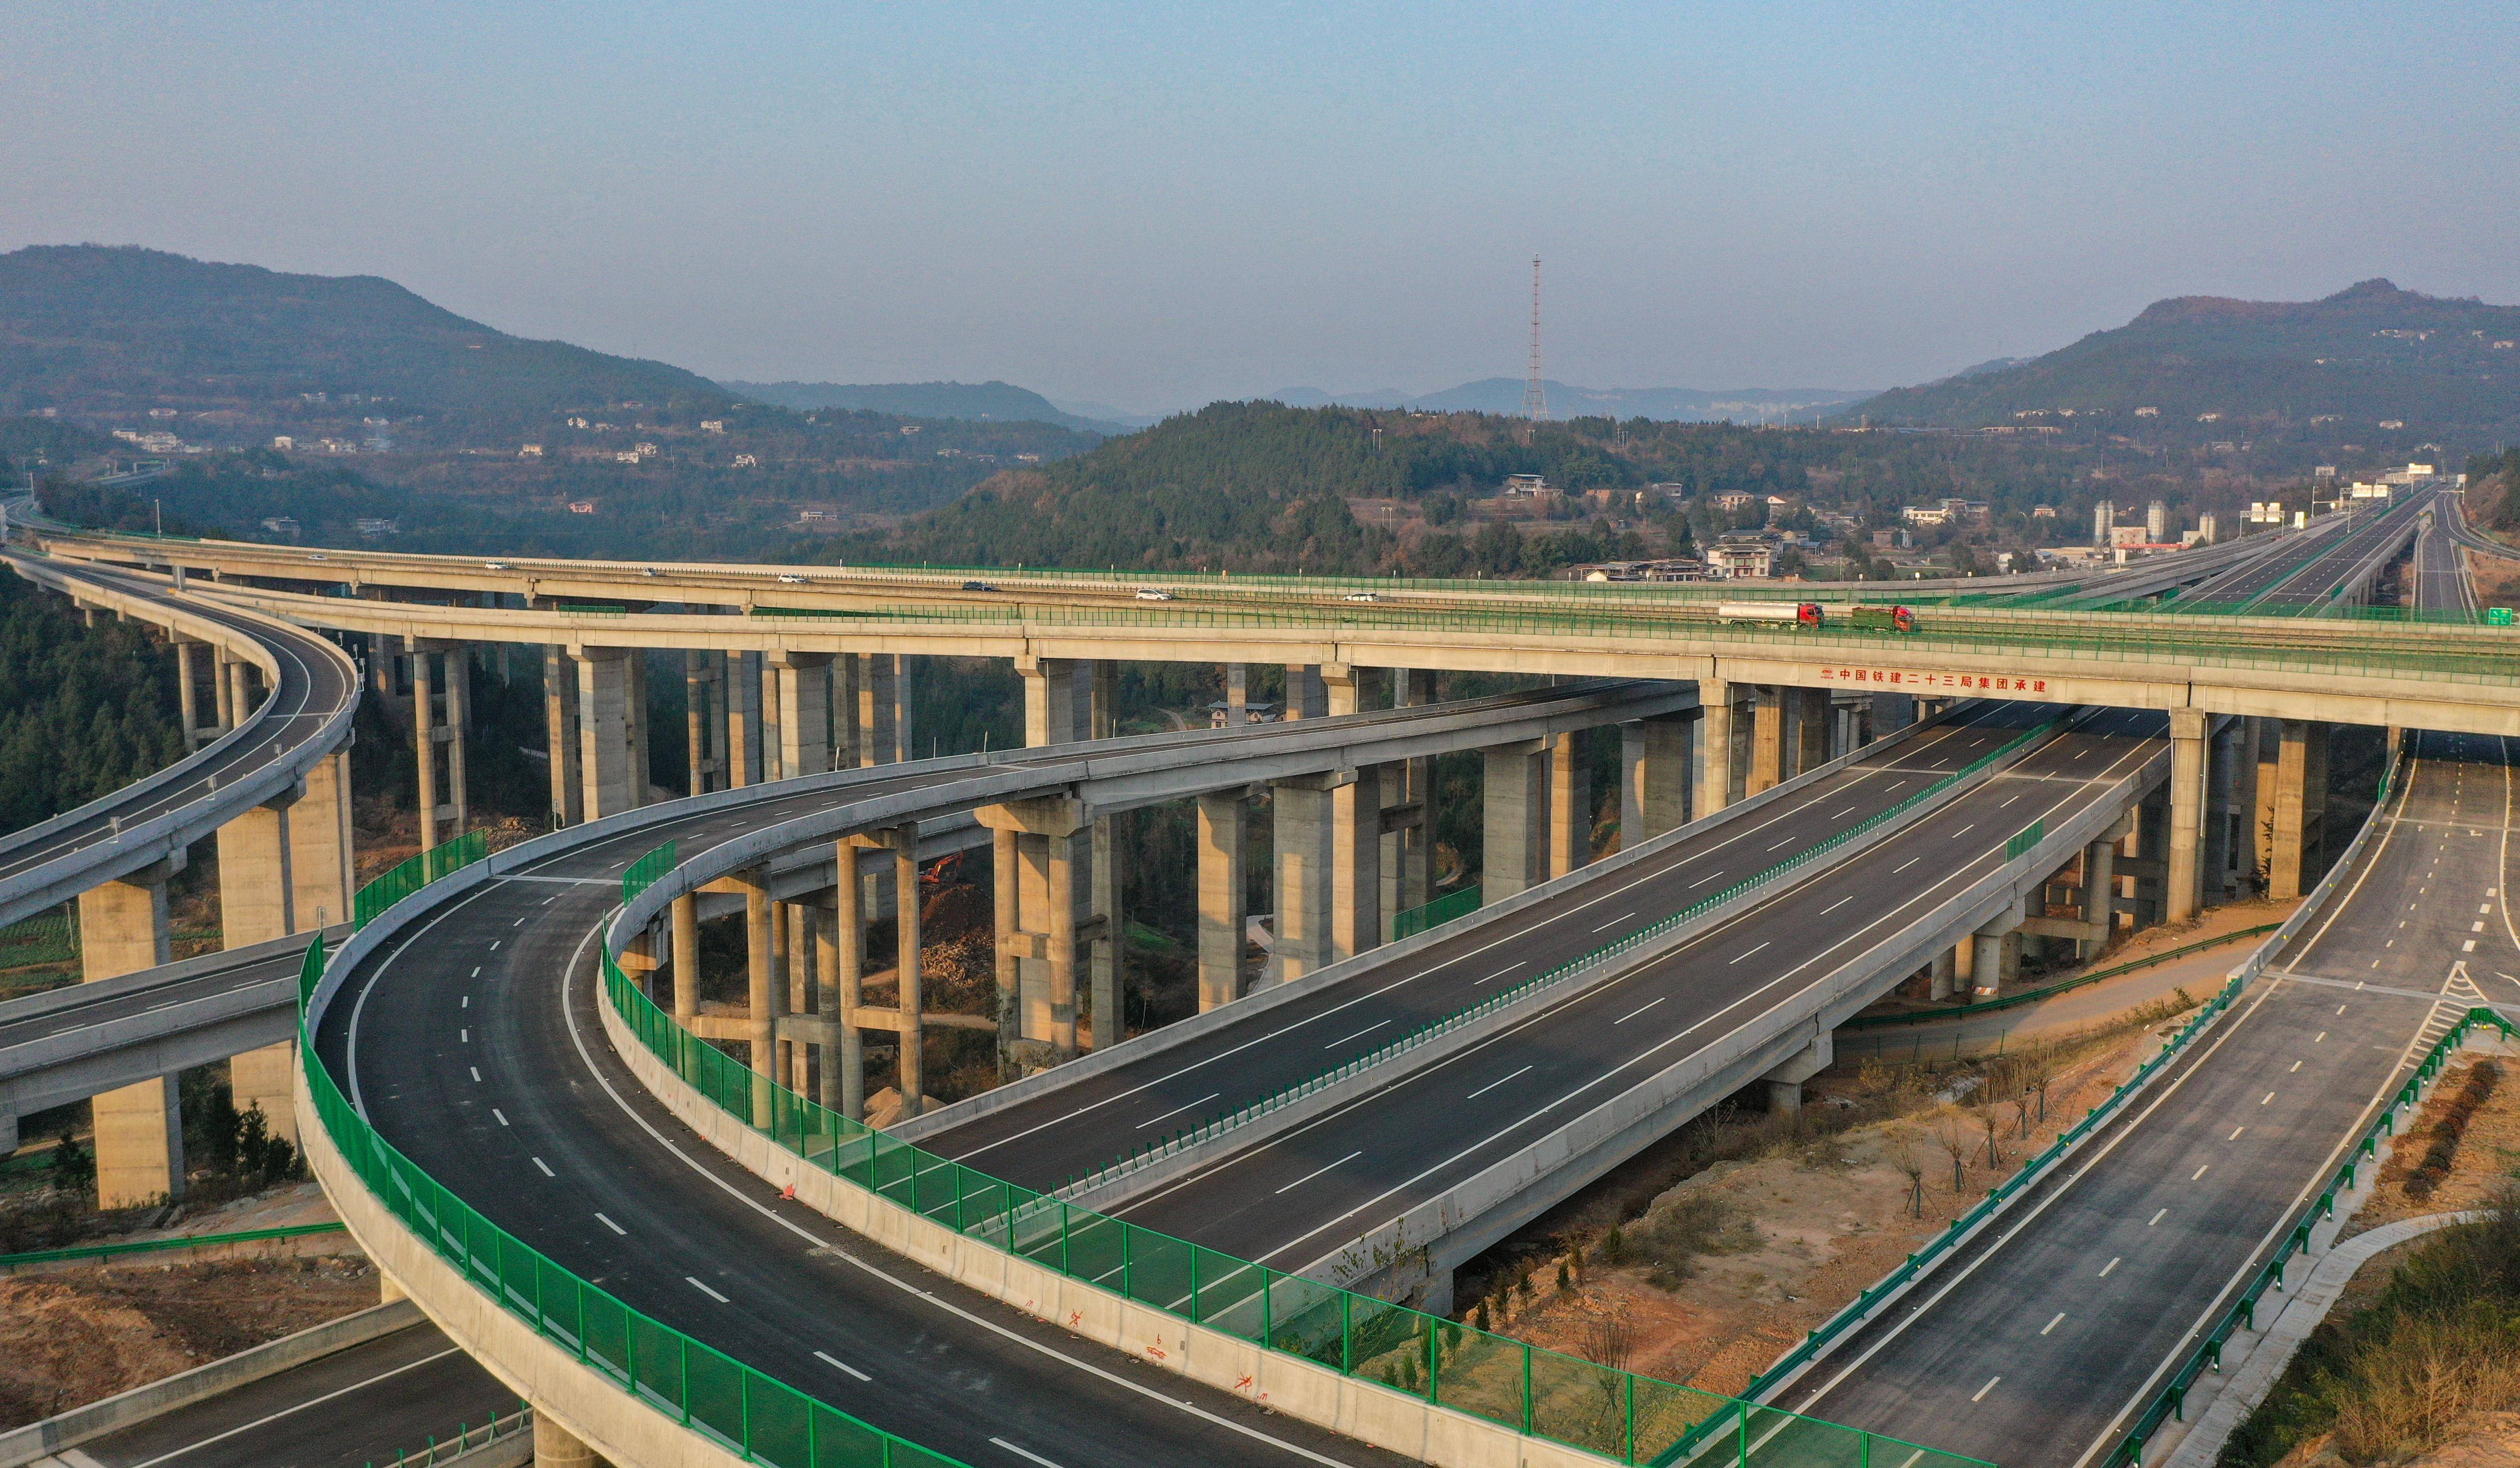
(2170, 1401)
(704, 1389)
(172, 1245)
(466, 1440)
(2031, 1172)
(1561, 1399)
(399, 882)
(2051, 990)
(1443, 909)
(643, 873)
(1217, 1126)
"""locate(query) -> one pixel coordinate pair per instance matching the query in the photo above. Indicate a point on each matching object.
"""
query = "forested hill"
(83, 711)
(988, 402)
(1260, 486)
(2366, 356)
(97, 330)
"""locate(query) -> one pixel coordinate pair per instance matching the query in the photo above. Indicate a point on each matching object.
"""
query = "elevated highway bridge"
(1775, 728)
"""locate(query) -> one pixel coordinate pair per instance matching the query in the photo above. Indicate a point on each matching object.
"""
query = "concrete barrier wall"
(1511, 1191)
(1292, 1385)
(41, 1440)
(1205, 1153)
(578, 1398)
(1095, 1062)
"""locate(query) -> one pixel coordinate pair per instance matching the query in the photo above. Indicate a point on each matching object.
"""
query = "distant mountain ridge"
(992, 401)
(1504, 395)
(95, 327)
(2367, 356)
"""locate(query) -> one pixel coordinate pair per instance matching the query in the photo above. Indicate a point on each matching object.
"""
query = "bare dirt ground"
(1712, 1277)
(75, 1336)
(2487, 1154)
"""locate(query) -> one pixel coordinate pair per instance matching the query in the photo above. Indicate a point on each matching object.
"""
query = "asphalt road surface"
(311, 688)
(2036, 1346)
(367, 1404)
(1295, 1200)
(1077, 1128)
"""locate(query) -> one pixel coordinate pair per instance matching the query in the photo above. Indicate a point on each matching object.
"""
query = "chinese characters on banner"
(1909, 679)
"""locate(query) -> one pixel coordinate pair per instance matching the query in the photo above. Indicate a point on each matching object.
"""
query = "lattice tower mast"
(1535, 399)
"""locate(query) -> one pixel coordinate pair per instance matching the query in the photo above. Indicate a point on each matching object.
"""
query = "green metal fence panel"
(644, 872)
(1443, 909)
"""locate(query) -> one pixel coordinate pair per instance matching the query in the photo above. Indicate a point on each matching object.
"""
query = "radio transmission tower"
(1535, 399)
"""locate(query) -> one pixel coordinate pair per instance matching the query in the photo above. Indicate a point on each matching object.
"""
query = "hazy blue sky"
(1158, 206)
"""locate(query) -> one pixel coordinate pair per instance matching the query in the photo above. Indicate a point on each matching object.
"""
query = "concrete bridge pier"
(611, 688)
(1515, 821)
(1810, 729)
(1304, 828)
(188, 690)
(1766, 738)
(2184, 890)
(258, 901)
(1040, 894)
(437, 733)
(802, 682)
(744, 754)
(560, 722)
(1570, 805)
(2300, 805)
(1786, 1081)
(1408, 829)
(1223, 872)
(885, 734)
(761, 990)
(702, 739)
(1714, 787)
(556, 1447)
(139, 1128)
(1655, 775)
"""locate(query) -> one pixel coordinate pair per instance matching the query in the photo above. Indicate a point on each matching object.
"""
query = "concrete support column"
(2187, 814)
(773, 765)
(1222, 877)
(805, 703)
(1654, 776)
(603, 731)
(1785, 1080)
(188, 696)
(240, 699)
(321, 865)
(1998, 954)
(1107, 960)
(1306, 696)
(1714, 788)
(904, 844)
(560, 723)
(742, 675)
(1811, 729)
(2292, 768)
(880, 697)
(1303, 823)
(1408, 820)
(554, 1446)
(684, 917)
(257, 904)
(1060, 854)
(634, 720)
(2264, 751)
(139, 1128)
(2100, 886)
(2221, 773)
(1767, 739)
(1516, 819)
(2313, 805)
(848, 938)
(1945, 975)
(761, 989)
(1102, 718)
(458, 695)
(1570, 805)
(695, 724)
(1237, 695)
(1007, 883)
(848, 750)
(424, 735)
(1356, 864)
(1056, 708)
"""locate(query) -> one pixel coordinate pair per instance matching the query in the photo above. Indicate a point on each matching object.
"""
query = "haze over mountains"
(2369, 355)
(1504, 395)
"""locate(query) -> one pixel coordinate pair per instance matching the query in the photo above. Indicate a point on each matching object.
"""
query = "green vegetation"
(2409, 1370)
(2366, 355)
(1258, 486)
(990, 401)
(83, 711)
